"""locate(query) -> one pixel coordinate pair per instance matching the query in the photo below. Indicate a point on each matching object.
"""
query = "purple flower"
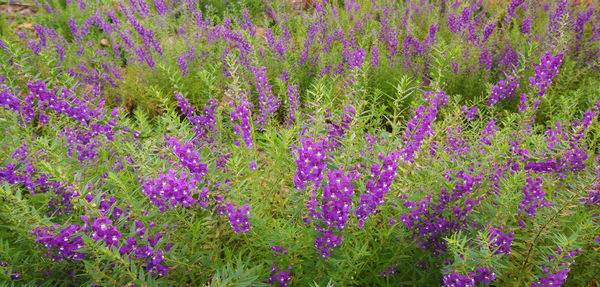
(102, 229)
(238, 217)
(419, 126)
(61, 245)
(389, 271)
(337, 199)
(500, 241)
(310, 162)
(278, 250)
(489, 132)
(533, 197)
(470, 113)
(375, 56)
(241, 121)
(377, 187)
(294, 103)
(171, 190)
(556, 276)
(526, 26)
(485, 59)
(204, 124)
(503, 89)
(487, 32)
(267, 103)
(326, 241)
(457, 280)
(545, 72)
(281, 277)
(188, 156)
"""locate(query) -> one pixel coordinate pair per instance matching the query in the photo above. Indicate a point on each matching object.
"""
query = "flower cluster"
(242, 127)
(555, 272)
(311, 161)
(171, 190)
(337, 199)
(533, 197)
(102, 229)
(336, 203)
(13, 274)
(469, 113)
(149, 252)
(377, 187)
(65, 101)
(483, 275)
(205, 125)
(238, 217)
(503, 89)
(281, 277)
(428, 222)
(500, 241)
(278, 250)
(326, 241)
(188, 157)
(63, 244)
(489, 132)
(12, 101)
(389, 271)
(420, 124)
(337, 130)
(294, 103)
(545, 71)
(267, 103)
(571, 160)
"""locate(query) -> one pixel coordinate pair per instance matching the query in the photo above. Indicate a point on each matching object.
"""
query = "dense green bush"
(192, 143)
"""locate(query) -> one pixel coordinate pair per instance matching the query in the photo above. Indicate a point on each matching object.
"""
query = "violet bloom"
(205, 125)
(278, 250)
(379, 184)
(171, 190)
(522, 103)
(13, 274)
(419, 126)
(375, 56)
(485, 59)
(310, 161)
(487, 32)
(337, 199)
(556, 18)
(61, 245)
(267, 103)
(238, 217)
(281, 277)
(500, 241)
(545, 72)
(526, 26)
(503, 89)
(188, 156)
(241, 121)
(533, 197)
(484, 275)
(456, 280)
(389, 271)
(328, 240)
(337, 130)
(160, 6)
(470, 113)
(558, 275)
(489, 132)
(294, 103)
(102, 229)
(512, 7)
